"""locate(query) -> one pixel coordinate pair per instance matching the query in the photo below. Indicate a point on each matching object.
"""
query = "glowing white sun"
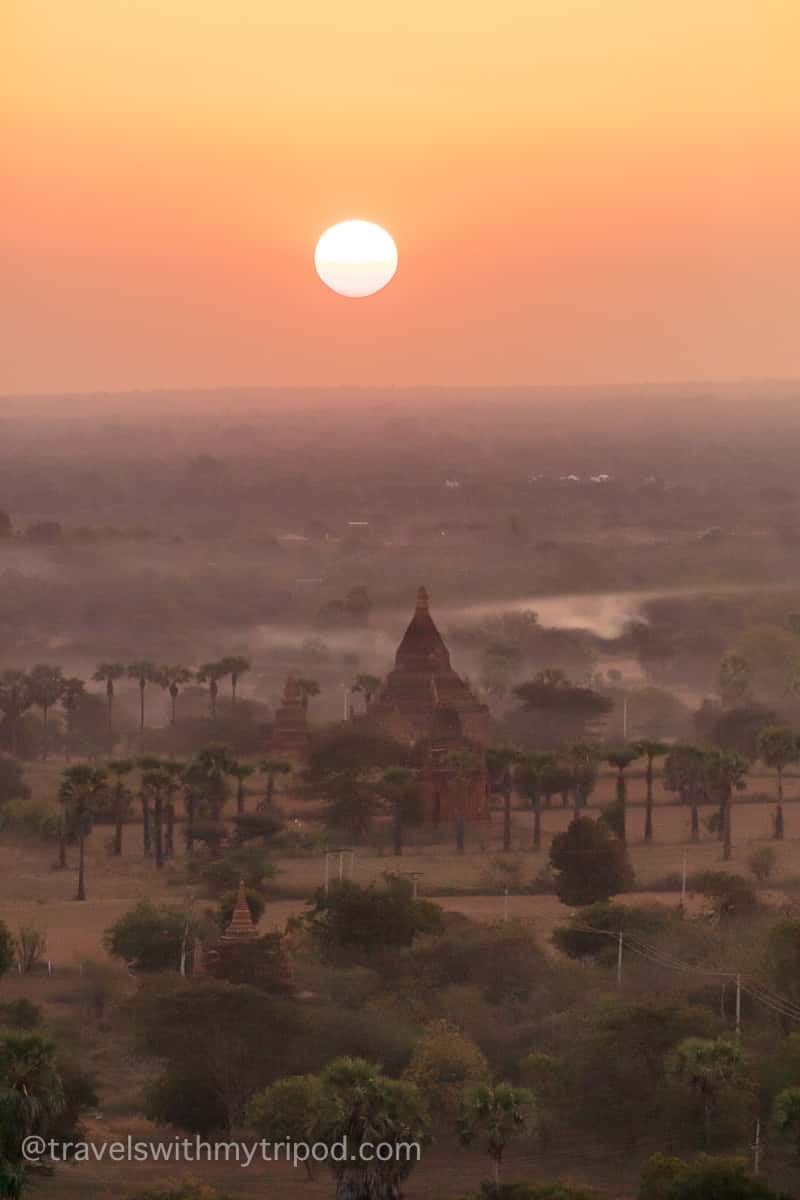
(356, 258)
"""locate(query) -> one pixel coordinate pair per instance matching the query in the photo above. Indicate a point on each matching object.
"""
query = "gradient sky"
(580, 190)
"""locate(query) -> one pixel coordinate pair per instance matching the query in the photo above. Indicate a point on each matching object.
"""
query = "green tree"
(496, 1112)
(81, 793)
(649, 749)
(12, 781)
(582, 760)
(149, 937)
(46, 685)
(309, 688)
(786, 1115)
(73, 694)
(621, 757)
(725, 770)
(735, 679)
(556, 711)
(188, 1102)
(211, 673)
(778, 747)
(172, 679)
(144, 672)
(443, 1064)
(15, 700)
(367, 686)
(707, 1177)
(370, 920)
(235, 666)
(108, 673)
(121, 796)
(241, 772)
(272, 767)
(685, 773)
(360, 1104)
(539, 775)
(501, 761)
(590, 863)
(400, 787)
(709, 1067)
(463, 766)
(351, 800)
(287, 1111)
(31, 1097)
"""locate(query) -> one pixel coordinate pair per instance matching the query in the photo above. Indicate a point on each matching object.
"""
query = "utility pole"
(619, 959)
(505, 905)
(625, 719)
(757, 1148)
(327, 872)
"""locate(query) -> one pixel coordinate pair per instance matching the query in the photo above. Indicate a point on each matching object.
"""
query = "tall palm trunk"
(173, 695)
(188, 800)
(622, 805)
(537, 820)
(240, 797)
(398, 828)
(146, 842)
(169, 837)
(460, 823)
(141, 710)
(62, 837)
(158, 828)
(507, 790)
(81, 866)
(727, 845)
(779, 810)
(116, 848)
(648, 807)
(110, 714)
(45, 732)
(212, 692)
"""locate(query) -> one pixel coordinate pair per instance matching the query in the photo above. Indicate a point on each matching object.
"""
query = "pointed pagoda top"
(422, 647)
(241, 928)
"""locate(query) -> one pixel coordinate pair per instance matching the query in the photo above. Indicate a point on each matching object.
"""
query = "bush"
(6, 948)
(149, 936)
(704, 1178)
(21, 1014)
(591, 863)
(221, 871)
(729, 895)
(30, 818)
(761, 862)
(368, 920)
(444, 1062)
(575, 942)
(29, 947)
(12, 780)
(187, 1102)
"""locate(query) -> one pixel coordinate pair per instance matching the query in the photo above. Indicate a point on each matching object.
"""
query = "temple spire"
(423, 600)
(241, 928)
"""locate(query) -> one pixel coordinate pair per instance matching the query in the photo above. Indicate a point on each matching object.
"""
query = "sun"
(356, 258)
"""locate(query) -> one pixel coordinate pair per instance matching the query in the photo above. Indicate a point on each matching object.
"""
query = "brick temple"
(290, 738)
(424, 703)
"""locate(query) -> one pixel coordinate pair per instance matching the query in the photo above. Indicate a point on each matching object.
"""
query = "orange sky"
(580, 190)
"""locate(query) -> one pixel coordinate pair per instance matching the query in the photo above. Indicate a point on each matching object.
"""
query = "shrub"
(576, 942)
(704, 1178)
(761, 862)
(591, 863)
(149, 936)
(12, 780)
(21, 1014)
(186, 1101)
(729, 895)
(29, 947)
(367, 920)
(444, 1062)
(30, 818)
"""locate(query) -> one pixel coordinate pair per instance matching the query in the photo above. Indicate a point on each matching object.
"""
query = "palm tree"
(81, 789)
(367, 686)
(46, 685)
(108, 673)
(153, 784)
(272, 767)
(685, 773)
(400, 786)
(582, 760)
(120, 798)
(501, 762)
(207, 771)
(235, 666)
(777, 747)
(211, 673)
(173, 770)
(537, 775)
(360, 1105)
(144, 672)
(725, 770)
(172, 679)
(15, 700)
(462, 765)
(621, 758)
(72, 693)
(32, 1097)
(708, 1066)
(650, 749)
(497, 1112)
(240, 772)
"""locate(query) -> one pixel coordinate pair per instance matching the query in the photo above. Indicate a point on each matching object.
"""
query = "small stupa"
(241, 927)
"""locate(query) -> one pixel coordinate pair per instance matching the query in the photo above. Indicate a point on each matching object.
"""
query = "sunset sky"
(580, 190)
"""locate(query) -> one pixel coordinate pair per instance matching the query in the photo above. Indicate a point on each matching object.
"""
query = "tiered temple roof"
(290, 738)
(423, 683)
(241, 927)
